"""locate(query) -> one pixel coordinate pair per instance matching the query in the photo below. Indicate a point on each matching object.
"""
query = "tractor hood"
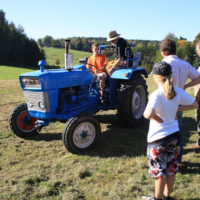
(52, 79)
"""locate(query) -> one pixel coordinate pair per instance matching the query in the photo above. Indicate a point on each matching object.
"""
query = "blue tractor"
(71, 96)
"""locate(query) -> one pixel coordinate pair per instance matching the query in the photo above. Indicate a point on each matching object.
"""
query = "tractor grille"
(35, 97)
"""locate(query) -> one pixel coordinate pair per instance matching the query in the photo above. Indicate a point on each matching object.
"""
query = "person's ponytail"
(169, 89)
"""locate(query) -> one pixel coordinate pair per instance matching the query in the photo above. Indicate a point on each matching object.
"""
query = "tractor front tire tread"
(13, 122)
(67, 135)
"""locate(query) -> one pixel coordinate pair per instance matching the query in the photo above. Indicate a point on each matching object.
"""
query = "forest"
(15, 47)
(149, 49)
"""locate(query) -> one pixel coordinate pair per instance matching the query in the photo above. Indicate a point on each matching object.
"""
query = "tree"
(171, 36)
(189, 52)
(197, 38)
(181, 43)
(47, 40)
(57, 62)
(15, 47)
(78, 44)
(181, 38)
(39, 41)
(158, 57)
(196, 63)
(20, 30)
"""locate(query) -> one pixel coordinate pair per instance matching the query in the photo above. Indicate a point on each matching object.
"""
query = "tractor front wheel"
(20, 123)
(82, 132)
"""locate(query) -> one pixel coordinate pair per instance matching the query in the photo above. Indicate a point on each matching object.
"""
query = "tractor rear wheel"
(20, 124)
(131, 101)
(81, 132)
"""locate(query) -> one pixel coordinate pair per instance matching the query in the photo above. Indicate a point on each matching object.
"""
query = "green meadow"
(58, 53)
(11, 72)
(39, 167)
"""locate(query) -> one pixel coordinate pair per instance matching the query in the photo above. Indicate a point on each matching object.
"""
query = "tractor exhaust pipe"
(68, 57)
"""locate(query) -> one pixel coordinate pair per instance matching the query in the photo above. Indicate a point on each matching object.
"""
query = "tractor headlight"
(29, 104)
(41, 104)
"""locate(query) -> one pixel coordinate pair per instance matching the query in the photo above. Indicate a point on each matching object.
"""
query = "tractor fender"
(126, 74)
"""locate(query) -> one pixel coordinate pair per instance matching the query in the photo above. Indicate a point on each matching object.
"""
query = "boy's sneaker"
(198, 142)
(103, 99)
(148, 198)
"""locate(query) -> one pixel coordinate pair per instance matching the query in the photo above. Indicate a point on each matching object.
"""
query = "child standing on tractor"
(98, 62)
(163, 136)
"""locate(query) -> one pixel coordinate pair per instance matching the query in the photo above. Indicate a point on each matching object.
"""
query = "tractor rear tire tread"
(124, 101)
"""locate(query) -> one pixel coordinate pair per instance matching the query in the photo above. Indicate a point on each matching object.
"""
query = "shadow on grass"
(188, 125)
(116, 140)
(189, 168)
(48, 137)
(119, 141)
(171, 198)
(107, 119)
(195, 150)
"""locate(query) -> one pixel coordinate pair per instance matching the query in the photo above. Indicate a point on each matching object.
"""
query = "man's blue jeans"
(181, 135)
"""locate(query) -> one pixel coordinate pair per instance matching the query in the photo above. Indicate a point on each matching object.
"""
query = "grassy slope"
(41, 168)
(9, 72)
(56, 53)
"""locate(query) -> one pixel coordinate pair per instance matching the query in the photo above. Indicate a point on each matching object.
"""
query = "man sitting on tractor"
(121, 45)
(98, 62)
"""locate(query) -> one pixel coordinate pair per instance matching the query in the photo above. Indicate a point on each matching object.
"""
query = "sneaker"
(148, 198)
(103, 99)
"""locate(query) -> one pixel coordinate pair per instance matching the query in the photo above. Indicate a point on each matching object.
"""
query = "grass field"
(9, 72)
(58, 53)
(40, 167)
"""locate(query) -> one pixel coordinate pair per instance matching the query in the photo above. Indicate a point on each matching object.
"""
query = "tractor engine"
(73, 97)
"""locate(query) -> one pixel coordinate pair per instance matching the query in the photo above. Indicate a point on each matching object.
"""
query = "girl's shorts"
(163, 156)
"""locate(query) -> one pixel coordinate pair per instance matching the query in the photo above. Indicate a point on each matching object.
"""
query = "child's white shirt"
(166, 110)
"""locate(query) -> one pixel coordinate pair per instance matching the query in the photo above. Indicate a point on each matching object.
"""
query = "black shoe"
(103, 99)
(166, 198)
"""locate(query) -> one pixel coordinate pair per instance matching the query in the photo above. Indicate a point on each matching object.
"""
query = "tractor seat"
(135, 62)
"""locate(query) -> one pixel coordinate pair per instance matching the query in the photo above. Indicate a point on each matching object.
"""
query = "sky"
(141, 19)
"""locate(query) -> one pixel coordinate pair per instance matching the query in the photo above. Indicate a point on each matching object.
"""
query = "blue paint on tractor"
(127, 73)
(84, 134)
(42, 64)
(60, 94)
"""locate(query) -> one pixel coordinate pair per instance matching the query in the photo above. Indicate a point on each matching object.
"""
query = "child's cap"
(162, 68)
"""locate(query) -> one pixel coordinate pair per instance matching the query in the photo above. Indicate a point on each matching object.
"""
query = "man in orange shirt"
(99, 61)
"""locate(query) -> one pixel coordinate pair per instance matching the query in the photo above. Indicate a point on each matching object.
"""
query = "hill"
(58, 53)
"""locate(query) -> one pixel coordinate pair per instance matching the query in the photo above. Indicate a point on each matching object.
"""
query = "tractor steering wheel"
(90, 68)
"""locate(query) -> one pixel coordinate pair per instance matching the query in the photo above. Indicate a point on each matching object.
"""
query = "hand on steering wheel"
(90, 68)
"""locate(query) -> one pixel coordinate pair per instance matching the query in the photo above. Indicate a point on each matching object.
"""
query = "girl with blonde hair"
(163, 136)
